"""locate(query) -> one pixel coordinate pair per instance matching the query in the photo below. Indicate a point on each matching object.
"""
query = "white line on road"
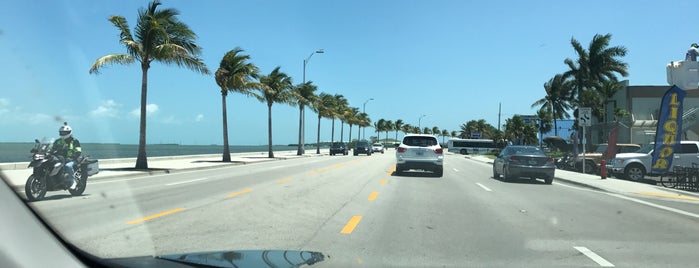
(484, 188)
(455, 169)
(183, 182)
(599, 260)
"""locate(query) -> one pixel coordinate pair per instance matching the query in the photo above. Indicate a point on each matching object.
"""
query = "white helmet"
(65, 131)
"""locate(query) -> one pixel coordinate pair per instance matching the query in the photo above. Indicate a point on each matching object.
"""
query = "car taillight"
(438, 150)
(401, 149)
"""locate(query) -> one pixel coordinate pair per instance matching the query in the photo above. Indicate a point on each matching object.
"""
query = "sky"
(451, 61)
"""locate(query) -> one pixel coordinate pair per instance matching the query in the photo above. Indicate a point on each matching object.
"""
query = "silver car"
(420, 152)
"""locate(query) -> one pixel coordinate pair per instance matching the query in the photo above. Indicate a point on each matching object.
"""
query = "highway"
(358, 213)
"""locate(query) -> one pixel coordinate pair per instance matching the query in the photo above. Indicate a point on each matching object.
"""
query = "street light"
(302, 122)
(364, 111)
(418, 122)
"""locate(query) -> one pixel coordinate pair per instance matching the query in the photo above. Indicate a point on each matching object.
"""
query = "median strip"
(155, 216)
(240, 192)
(349, 227)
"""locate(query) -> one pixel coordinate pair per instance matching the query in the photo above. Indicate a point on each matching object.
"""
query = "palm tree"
(388, 126)
(162, 37)
(351, 117)
(339, 105)
(234, 74)
(379, 126)
(436, 131)
(453, 134)
(427, 130)
(322, 104)
(445, 133)
(398, 126)
(275, 87)
(303, 94)
(406, 128)
(556, 102)
(595, 65)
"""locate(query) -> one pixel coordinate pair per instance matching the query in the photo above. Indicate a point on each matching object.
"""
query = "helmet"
(65, 131)
(695, 45)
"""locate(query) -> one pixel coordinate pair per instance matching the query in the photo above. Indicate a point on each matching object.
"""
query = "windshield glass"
(237, 131)
(646, 149)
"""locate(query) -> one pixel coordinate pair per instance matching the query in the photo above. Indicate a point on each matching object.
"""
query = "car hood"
(239, 258)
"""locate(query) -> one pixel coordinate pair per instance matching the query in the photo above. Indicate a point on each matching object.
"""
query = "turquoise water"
(19, 152)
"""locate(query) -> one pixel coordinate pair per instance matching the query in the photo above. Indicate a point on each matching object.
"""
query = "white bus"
(471, 146)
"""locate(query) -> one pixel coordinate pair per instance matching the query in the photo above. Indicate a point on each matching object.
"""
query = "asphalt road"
(359, 214)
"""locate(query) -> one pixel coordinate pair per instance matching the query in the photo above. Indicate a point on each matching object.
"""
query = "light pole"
(364, 111)
(419, 121)
(302, 120)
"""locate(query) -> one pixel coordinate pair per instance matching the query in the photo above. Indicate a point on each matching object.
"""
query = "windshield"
(229, 132)
(646, 149)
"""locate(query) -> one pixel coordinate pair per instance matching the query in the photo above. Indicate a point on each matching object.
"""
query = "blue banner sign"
(668, 133)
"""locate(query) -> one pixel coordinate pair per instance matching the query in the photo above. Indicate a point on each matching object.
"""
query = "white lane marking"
(599, 260)
(183, 182)
(455, 169)
(678, 211)
(484, 188)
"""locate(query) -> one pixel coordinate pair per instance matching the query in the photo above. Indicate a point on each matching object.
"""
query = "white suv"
(420, 151)
(635, 166)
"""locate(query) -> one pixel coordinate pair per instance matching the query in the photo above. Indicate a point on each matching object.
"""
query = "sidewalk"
(613, 185)
(16, 174)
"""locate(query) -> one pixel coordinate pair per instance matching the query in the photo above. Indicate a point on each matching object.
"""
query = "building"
(643, 104)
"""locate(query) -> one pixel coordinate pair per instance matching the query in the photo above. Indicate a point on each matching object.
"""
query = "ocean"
(19, 152)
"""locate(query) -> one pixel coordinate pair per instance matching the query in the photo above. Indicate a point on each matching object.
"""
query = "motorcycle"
(50, 173)
(566, 162)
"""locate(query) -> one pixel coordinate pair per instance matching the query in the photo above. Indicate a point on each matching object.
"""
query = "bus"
(471, 146)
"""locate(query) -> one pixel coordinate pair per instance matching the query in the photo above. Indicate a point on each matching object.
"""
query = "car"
(362, 147)
(635, 166)
(420, 152)
(338, 148)
(517, 161)
(377, 147)
(593, 159)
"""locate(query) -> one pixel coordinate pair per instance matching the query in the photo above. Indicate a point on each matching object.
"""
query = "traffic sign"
(585, 116)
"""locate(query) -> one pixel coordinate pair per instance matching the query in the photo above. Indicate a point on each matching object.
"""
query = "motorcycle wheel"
(35, 188)
(82, 184)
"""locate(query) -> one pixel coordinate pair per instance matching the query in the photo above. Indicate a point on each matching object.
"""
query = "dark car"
(362, 147)
(524, 161)
(338, 148)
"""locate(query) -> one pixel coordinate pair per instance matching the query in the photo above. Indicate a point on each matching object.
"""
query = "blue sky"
(453, 61)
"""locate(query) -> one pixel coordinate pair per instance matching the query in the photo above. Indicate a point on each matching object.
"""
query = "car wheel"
(548, 180)
(463, 151)
(439, 172)
(399, 170)
(634, 172)
(590, 167)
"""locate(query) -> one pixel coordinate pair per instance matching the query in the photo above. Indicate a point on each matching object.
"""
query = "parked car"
(592, 159)
(420, 152)
(635, 166)
(377, 147)
(338, 148)
(362, 147)
(524, 161)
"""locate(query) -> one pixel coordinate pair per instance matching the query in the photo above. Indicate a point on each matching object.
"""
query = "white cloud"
(108, 108)
(199, 118)
(150, 110)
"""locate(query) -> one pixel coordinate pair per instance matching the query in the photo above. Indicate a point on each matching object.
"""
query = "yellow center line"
(155, 216)
(383, 182)
(393, 169)
(349, 227)
(336, 166)
(373, 195)
(285, 180)
(239, 193)
(676, 196)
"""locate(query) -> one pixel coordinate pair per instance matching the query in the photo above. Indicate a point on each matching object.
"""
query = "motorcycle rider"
(68, 147)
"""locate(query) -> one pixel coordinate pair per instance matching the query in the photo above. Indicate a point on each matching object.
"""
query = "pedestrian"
(692, 53)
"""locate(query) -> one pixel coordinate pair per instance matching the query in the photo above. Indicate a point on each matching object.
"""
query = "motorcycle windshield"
(46, 145)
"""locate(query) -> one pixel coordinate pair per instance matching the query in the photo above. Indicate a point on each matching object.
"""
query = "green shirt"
(68, 148)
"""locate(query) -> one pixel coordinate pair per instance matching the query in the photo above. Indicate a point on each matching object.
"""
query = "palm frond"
(111, 59)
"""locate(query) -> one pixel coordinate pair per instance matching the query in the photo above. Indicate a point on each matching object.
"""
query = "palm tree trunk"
(332, 132)
(342, 130)
(350, 134)
(270, 154)
(226, 148)
(359, 131)
(300, 150)
(141, 159)
(318, 135)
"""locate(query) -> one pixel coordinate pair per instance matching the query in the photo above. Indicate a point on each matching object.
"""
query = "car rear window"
(528, 151)
(420, 141)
